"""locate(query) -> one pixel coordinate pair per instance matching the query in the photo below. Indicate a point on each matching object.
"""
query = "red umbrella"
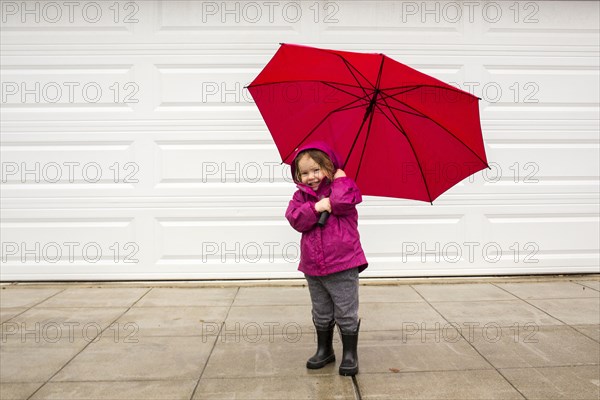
(399, 133)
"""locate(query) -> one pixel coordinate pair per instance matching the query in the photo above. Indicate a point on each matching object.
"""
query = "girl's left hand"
(339, 174)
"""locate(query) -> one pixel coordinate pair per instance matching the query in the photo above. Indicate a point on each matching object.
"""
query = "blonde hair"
(319, 157)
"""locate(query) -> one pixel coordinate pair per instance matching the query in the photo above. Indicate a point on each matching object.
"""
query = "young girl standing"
(331, 254)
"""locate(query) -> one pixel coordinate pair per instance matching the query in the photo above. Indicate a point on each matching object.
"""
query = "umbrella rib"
(364, 147)
(413, 87)
(343, 91)
(350, 69)
(399, 127)
(406, 112)
(403, 131)
(380, 72)
(409, 89)
(327, 83)
(374, 104)
(354, 143)
(342, 108)
(437, 123)
(349, 64)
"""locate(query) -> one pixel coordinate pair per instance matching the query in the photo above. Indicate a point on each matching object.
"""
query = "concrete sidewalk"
(535, 338)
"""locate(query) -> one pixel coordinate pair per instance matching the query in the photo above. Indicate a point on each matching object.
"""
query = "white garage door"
(130, 149)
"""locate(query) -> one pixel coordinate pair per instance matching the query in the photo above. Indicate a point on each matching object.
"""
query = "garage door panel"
(541, 22)
(500, 23)
(486, 240)
(552, 233)
(43, 87)
(38, 22)
(405, 239)
(226, 22)
(232, 241)
(538, 167)
(48, 242)
(204, 85)
(233, 163)
(51, 166)
(540, 92)
(394, 22)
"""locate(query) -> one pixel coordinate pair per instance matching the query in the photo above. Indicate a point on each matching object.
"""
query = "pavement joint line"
(555, 366)
(356, 387)
(15, 316)
(584, 334)
(29, 308)
(562, 326)
(295, 376)
(500, 300)
(474, 348)
(552, 316)
(87, 345)
(214, 344)
(114, 380)
(586, 286)
(94, 307)
(475, 369)
(491, 368)
(429, 371)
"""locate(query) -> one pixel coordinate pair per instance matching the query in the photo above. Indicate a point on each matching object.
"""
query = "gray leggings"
(335, 297)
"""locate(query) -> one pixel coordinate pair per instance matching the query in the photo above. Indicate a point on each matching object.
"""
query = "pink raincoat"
(336, 246)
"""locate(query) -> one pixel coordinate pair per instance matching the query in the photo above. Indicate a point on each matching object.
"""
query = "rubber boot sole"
(320, 364)
(348, 371)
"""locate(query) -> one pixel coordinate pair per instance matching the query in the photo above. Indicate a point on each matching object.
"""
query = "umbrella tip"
(281, 43)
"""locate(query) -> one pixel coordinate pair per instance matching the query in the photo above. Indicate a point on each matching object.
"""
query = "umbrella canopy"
(399, 133)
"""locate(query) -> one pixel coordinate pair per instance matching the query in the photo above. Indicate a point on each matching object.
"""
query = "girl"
(331, 255)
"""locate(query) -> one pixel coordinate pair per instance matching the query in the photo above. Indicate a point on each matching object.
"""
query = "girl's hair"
(319, 157)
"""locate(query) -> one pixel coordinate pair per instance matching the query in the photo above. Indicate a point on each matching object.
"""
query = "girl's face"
(311, 173)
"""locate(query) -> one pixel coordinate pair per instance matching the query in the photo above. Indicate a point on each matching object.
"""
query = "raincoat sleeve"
(301, 214)
(344, 196)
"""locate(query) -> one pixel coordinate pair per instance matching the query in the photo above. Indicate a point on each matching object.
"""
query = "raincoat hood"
(319, 145)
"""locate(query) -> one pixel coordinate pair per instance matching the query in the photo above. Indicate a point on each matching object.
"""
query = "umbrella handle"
(323, 218)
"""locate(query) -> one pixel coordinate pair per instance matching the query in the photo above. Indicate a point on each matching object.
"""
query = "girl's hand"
(339, 174)
(323, 205)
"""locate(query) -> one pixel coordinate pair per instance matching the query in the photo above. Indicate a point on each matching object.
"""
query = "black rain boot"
(349, 365)
(324, 354)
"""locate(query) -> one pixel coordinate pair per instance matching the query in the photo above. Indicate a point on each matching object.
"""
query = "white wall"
(150, 95)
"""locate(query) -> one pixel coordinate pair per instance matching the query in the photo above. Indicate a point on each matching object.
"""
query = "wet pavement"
(525, 338)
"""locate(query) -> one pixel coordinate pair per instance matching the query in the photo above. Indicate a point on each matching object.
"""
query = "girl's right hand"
(339, 174)
(323, 205)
